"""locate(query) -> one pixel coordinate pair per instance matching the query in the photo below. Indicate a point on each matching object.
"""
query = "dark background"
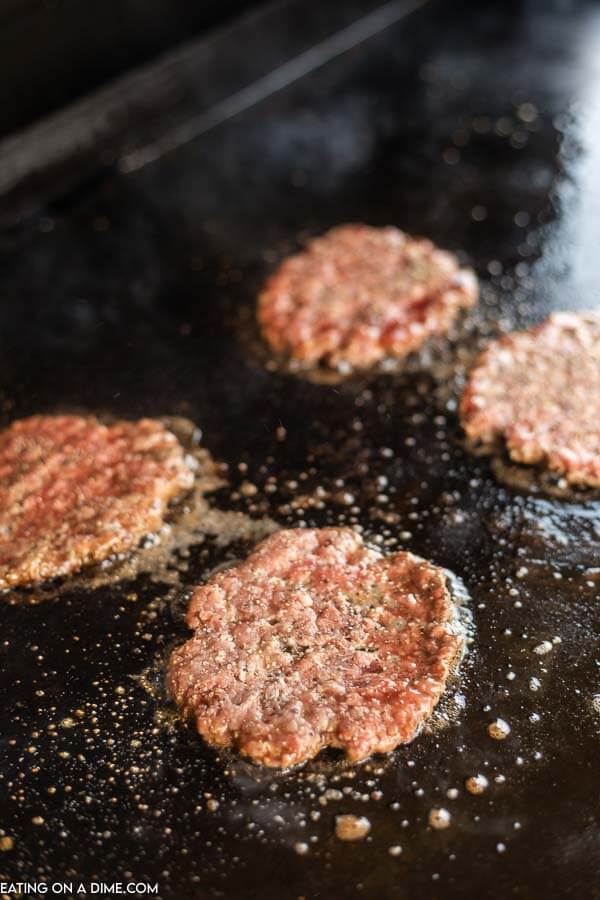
(55, 51)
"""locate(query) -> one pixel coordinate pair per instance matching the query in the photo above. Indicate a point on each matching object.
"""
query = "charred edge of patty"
(537, 480)
(414, 360)
(533, 478)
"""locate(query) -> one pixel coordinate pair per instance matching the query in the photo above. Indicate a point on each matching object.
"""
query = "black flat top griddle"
(131, 294)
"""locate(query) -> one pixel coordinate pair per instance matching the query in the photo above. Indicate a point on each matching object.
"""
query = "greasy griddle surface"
(132, 297)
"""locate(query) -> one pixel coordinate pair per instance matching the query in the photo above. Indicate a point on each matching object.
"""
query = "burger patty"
(316, 640)
(539, 390)
(359, 294)
(74, 491)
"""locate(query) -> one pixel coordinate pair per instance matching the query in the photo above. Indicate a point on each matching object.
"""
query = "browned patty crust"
(359, 294)
(74, 491)
(539, 391)
(316, 640)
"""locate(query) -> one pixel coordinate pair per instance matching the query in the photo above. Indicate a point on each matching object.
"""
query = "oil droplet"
(301, 849)
(439, 818)
(351, 828)
(476, 784)
(396, 850)
(498, 729)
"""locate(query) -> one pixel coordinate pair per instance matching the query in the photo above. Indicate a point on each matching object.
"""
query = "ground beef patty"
(73, 491)
(316, 640)
(358, 295)
(539, 390)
